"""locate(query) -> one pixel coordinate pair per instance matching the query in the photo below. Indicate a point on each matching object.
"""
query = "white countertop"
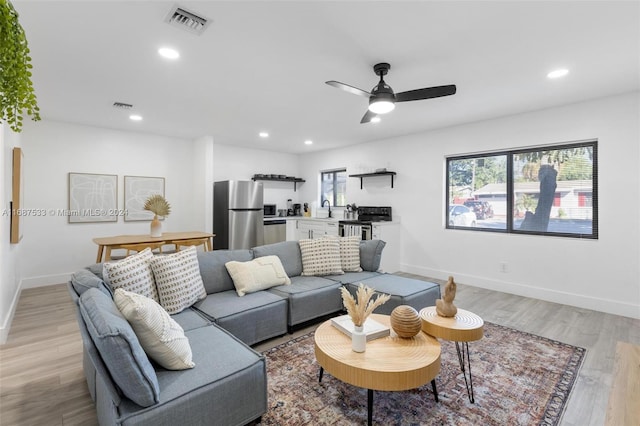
(314, 219)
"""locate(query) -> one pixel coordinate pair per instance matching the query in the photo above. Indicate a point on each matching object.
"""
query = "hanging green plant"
(16, 89)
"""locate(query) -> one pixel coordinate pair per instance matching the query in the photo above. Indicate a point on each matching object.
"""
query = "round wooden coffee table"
(388, 364)
(463, 328)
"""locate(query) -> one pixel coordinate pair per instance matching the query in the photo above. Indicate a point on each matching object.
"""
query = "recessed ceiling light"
(263, 134)
(135, 117)
(308, 142)
(168, 53)
(558, 73)
(375, 119)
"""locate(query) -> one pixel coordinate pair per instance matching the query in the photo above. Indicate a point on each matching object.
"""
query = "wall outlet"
(503, 267)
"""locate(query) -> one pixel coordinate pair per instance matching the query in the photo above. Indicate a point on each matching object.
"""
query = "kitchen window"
(545, 190)
(334, 187)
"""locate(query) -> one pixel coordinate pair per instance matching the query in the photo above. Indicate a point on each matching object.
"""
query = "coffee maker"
(297, 209)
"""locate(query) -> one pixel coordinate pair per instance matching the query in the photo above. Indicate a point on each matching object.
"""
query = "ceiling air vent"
(121, 105)
(186, 20)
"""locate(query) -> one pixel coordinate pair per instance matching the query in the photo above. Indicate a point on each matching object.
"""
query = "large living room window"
(545, 190)
(334, 187)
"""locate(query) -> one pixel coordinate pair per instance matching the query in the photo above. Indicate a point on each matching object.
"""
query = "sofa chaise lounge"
(228, 384)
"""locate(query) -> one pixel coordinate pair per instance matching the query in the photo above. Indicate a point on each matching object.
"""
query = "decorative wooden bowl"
(405, 321)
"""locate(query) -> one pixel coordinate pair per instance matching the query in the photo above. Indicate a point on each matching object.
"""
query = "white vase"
(358, 339)
(156, 227)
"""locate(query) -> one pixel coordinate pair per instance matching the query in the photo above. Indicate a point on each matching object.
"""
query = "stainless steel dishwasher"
(275, 231)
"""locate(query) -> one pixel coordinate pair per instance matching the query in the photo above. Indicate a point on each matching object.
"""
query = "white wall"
(9, 253)
(237, 163)
(52, 248)
(601, 274)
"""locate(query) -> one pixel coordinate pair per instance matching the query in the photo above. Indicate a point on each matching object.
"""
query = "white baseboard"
(45, 280)
(578, 300)
(6, 327)
(33, 282)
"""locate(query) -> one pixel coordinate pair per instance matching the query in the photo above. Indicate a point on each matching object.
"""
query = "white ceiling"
(261, 66)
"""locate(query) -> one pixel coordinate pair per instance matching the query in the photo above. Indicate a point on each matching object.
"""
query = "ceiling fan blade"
(368, 117)
(426, 93)
(348, 88)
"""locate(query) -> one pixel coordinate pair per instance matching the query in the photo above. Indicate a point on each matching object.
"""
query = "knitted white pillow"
(161, 336)
(178, 280)
(257, 274)
(320, 256)
(132, 273)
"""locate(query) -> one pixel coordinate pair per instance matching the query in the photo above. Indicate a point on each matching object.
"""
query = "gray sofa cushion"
(287, 251)
(84, 279)
(189, 319)
(353, 277)
(96, 268)
(215, 276)
(371, 254)
(228, 386)
(119, 348)
(252, 318)
(404, 291)
(310, 298)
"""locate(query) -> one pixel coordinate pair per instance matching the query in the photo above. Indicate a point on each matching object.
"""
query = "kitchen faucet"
(327, 201)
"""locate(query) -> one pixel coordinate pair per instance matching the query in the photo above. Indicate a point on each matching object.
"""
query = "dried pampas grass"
(361, 308)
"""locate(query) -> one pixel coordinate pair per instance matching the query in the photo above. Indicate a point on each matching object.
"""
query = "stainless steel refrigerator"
(238, 214)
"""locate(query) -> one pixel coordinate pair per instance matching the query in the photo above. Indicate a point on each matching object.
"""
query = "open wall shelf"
(295, 180)
(375, 174)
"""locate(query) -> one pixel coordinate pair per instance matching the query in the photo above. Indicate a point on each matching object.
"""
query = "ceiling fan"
(382, 99)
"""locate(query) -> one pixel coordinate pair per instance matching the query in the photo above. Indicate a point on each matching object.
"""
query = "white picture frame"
(136, 191)
(92, 198)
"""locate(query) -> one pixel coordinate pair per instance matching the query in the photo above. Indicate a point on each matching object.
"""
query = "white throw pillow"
(178, 280)
(133, 273)
(257, 274)
(350, 254)
(161, 336)
(320, 256)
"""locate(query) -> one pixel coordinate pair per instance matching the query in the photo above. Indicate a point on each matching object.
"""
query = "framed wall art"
(17, 196)
(136, 191)
(93, 198)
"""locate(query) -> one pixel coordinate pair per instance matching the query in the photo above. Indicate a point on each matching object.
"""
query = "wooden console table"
(178, 238)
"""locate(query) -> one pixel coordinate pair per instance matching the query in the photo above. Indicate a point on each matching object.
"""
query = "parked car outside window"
(482, 209)
(460, 215)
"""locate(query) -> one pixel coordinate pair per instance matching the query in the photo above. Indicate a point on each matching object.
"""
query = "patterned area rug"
(518, 378)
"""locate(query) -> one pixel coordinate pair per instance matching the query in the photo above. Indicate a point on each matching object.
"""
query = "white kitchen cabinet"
(309, 228)
(292, 230)
(388, 232)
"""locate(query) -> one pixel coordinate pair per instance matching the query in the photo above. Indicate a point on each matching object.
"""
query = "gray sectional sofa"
(228, 386)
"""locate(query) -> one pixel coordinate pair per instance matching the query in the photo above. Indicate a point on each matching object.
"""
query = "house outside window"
(333, 187)
(548, 190)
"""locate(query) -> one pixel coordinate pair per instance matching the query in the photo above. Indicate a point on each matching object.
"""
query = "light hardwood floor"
(41, 379)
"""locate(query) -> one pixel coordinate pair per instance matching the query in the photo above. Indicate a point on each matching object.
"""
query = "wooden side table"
(463, 328)
(389, 364)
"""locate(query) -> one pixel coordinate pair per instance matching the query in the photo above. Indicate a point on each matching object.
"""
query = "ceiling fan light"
(381, 106)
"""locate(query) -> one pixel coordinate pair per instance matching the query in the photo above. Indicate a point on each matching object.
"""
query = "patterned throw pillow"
(161, 336)
(320, 256)
(178, 280)
(133, 274)
(350, 254)
(258, 274)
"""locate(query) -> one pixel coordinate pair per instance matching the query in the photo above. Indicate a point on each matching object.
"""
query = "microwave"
(270, 210)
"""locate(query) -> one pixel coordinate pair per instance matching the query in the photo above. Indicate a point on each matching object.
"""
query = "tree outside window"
(549, 190)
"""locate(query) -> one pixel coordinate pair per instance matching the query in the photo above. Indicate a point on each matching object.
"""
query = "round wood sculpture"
(405, 321)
